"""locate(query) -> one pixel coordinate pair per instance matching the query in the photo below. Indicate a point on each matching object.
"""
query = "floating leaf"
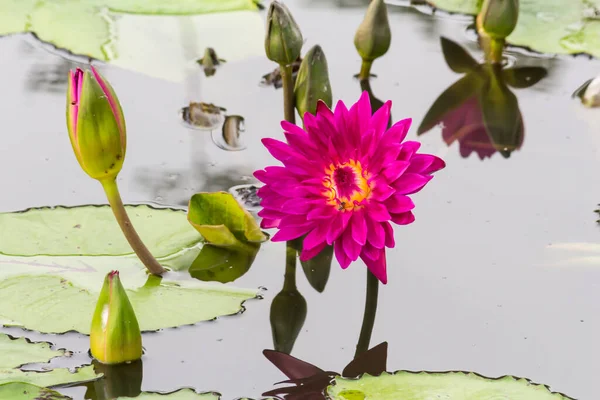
(446, 385)
(27, 391)
(222, 221)
(58, 376)
(58, 292)
(20, 351)
(181, 394)
(547, 26)
(219, 264)
(129, 34)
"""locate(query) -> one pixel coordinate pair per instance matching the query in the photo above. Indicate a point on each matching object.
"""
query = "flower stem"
(289, 282)
(114, 198)
(369, 316)
(288, 93)
(365, 70)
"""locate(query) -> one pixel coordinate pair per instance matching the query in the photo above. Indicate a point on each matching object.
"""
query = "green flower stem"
(114, 198)
(365, 70)
(369, 316)
(289, 280)
(289, 111)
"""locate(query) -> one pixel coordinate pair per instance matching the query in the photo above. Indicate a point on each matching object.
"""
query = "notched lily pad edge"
(153, 206)
(67, 353)
(466, 373)
(508, 46)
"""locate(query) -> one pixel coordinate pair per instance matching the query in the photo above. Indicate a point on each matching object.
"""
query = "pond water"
(498, 275)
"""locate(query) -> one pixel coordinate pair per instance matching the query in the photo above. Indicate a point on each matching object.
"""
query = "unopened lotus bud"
(283, 41)
(115, 335)
(312, 82)
(499, 17)
(373, 37)
(96, 124)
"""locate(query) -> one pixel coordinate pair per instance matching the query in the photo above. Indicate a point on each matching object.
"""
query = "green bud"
(283, 41)
(499, 17)
(96, 124)
(373, 37)
(312, 82)
(115, 335)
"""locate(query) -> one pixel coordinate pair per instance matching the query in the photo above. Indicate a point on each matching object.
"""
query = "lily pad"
(131, 34)
(222, 221)
(58, 376)
(446, 385)
(27, 391)
(19, 351)
(181, 394)
(57, 292)
(547, 26)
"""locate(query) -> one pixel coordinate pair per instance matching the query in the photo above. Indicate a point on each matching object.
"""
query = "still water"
(498, 275)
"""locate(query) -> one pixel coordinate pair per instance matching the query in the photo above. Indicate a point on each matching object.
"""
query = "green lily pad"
(222, 221)
(443, 385)
(18, 352)
(547, 26)
(58, 292)
(181, 394)
(58, 376)
(27, 391)
(130, 33)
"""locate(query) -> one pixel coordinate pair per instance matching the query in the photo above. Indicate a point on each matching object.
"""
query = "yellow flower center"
(346, 185)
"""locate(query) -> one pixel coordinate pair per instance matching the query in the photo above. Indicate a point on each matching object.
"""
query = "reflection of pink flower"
(343, 180)
(465, 124)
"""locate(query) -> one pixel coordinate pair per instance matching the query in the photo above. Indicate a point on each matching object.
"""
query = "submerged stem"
(114, 198)
(288, 93)
(369, 315)
(365, 70)
(289, 282)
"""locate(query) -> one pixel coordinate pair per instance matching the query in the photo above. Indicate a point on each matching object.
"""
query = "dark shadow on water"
(480, 111)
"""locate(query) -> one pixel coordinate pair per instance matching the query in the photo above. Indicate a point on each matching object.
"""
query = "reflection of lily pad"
(222, 221)
(181, 394)
(27, 391)
(58, 292)
(548, 26)
(446, 385)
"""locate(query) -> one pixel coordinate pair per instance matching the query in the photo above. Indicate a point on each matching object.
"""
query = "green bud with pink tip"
(499, 17)
(96, 128)
(115, 336)
(96, 124)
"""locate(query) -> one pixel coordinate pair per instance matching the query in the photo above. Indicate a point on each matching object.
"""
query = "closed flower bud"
(283, 41)
(115, 335)
(373, 37)
(499, 17)
(288, 312)
(312, 82)
(96, 124)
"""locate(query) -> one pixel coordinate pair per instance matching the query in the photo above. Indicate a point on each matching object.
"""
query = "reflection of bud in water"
(373, 37)
(283, 41)
(210, 61)
(115, 334)
(499, 17)
(501, 114)
(122, 380)
(312, 82)
(288, 312)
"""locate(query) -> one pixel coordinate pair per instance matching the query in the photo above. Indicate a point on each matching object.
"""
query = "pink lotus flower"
(343, 180)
